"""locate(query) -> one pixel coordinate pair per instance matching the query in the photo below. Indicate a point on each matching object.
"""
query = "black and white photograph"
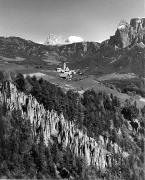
(72, 89)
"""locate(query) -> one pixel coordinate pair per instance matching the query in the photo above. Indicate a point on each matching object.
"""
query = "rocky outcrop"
(136, 24)
(129, 34)
(53, 40)
(50, 124)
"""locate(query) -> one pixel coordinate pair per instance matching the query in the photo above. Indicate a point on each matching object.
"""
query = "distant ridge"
(122, 53)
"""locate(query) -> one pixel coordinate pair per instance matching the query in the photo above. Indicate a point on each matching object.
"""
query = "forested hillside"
(121, 126)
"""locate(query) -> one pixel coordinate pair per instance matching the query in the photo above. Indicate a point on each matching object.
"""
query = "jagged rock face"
(54, 40)
(143, 22)
(136, 23)
(129, 34)
(123, 35)
(50, 124)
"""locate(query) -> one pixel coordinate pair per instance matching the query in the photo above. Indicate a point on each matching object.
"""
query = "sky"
(94, 20)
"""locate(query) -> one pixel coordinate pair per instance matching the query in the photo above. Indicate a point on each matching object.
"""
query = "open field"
(51, 61)
(17, 59)
(86, 84)
(49, 74)
(116, 76)
(11, 67)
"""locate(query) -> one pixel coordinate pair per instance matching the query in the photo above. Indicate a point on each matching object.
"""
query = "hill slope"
(101, 138)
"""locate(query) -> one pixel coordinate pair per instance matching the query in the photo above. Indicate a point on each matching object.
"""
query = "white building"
(65, 72)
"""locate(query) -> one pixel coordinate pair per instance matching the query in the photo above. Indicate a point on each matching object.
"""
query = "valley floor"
(87, 82)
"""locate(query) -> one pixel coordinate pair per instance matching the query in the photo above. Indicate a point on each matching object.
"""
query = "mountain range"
(122, 53)
(89, 127)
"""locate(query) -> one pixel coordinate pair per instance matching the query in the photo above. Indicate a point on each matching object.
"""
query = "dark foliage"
(134, 86)
(99, 113)
(22, 157)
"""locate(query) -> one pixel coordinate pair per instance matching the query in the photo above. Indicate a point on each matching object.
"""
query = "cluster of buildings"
(65, 72)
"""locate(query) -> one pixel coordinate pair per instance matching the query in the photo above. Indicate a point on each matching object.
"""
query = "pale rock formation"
(54, 40)
(50, 124)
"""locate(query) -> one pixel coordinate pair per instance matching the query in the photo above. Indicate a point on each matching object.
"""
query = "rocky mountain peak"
(127, 34)
(136, 23)
(123, 25)
(54, 40)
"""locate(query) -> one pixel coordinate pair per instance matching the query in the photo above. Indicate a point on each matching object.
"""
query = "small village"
(65, 72)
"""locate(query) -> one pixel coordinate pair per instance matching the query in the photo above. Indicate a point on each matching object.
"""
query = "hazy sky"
(91, 19)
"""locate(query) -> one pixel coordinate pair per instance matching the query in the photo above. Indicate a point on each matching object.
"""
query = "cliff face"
(129, 34)
(67, 134)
